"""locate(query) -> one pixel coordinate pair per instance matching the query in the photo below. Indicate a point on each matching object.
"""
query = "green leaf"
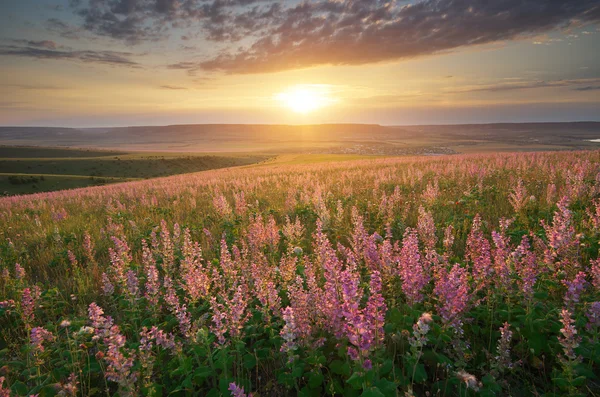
(249, 361)
(386, 387)
(339, 367)
(420, 373)
(315, 379)
(372, 392)
(356, 380)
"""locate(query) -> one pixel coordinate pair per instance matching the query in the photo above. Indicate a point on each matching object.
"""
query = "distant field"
(25, 170)
(351, 139)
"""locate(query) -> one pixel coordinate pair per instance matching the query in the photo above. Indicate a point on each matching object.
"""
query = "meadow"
(409, 276)
(25, 170)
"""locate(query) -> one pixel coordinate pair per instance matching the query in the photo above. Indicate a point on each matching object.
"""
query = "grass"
(73, 168)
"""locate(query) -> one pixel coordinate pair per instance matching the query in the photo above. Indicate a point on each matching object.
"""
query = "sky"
(101, 63)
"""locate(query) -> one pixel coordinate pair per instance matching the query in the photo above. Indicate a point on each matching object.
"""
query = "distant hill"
(324, 138)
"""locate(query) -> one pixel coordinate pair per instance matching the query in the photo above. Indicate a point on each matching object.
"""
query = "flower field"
(421, 276)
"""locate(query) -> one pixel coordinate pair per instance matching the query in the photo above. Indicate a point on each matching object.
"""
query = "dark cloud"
(101, 57)
(47, 44)
(575, 84)
(364, 31)
(588, 88)
(62, 29)
(268, 35)
(134, 21)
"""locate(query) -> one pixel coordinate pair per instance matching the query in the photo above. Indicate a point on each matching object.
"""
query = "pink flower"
(132, 284)
(69, 387)
(414, 276)
(28, 306)
(452, 291)
(595, 272)
(478, 254)
(3, 391)
(518, 196)
(39, 335)
(426, 228)
(229, 317)
(107, 287)
(19, 272)
(288, 332)
(593, 315)
(237, 391)
(221, 205)
(420, 330)
(569, 341)
(525, 263)
(503, 357)
(574, 289)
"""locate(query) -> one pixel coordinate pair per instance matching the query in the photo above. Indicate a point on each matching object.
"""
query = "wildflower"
(68, 388)
(426, 228)
(4, 392)
(593, 315)
(574, 288)
(28, 306)
(525, 263)
(88, 247)
(478, 253)
(132, 284)
(595, 272)
(562, 240)
(39, 335)
(85, 330)
(19, 272)
(72, 258)
(569, 341)
(413, 275)
(448, 239)
(420, 330)
(241, 206)
(236, 391)
(221, 205)
(8, 304)
(503, 357)
(288, 332)
(517, 196)
(452, 290)
(107, 287)
(469, 380)
(120, 257)
(229, 317)
(152, 285)
(375, 308)
(65, 324)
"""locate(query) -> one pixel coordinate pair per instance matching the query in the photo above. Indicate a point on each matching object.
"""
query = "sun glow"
(305, 98)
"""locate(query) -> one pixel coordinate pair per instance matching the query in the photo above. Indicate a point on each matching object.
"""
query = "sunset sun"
(305, 98)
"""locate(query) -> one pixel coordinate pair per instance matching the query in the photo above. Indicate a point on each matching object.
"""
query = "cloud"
(63, 29)
(527, 85)
(365, 31)
(172, 87)
(102, 57)
(35, 87)
(588, 88)
(48, 44)
(257, 36)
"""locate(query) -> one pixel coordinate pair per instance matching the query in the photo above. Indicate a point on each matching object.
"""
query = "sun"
(305, 98)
